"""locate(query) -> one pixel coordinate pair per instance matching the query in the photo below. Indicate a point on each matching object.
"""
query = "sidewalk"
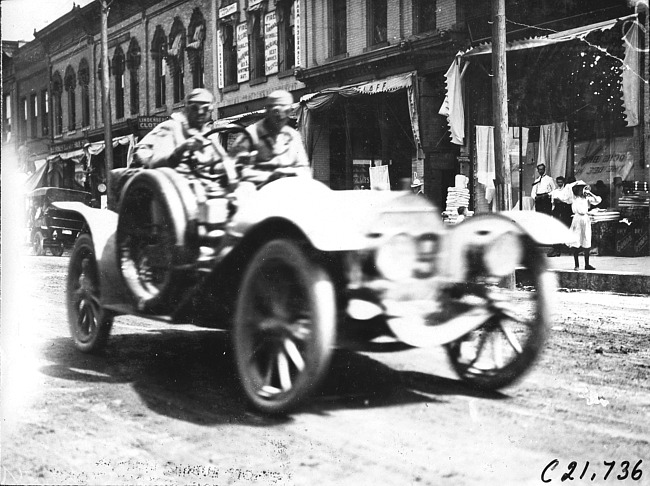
(613, 274)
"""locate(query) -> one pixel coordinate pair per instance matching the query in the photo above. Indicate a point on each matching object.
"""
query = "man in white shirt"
(541, 192)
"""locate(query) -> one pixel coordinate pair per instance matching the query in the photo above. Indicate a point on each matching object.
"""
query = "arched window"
(133, 60)
(176, 59)
(57, 106)
(118, 73)
(194, 48)
(84, 85)
(70, 83)
(158, 53)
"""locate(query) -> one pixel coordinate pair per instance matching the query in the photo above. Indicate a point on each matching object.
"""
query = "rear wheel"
(157, 218)
(504, 348)
(284, 327)
(38, 244)
(89, 323)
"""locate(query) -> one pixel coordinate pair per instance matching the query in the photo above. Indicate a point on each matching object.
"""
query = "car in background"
(50, 227)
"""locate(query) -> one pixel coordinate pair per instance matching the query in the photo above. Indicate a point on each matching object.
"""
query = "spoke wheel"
(284, 327)
(90, 325)
(503, 349)
(57, 250)
(154, 238)
(38, 244)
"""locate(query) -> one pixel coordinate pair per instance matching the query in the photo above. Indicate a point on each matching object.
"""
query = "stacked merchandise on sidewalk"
(457, 196)
(603, 228)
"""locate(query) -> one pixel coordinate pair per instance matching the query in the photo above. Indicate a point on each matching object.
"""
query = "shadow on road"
(190, 375)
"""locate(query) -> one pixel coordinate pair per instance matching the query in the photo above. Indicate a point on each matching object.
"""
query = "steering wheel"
(206, 170)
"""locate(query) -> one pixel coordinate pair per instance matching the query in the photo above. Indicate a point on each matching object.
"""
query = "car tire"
(38, 243)
(284, 326)
(57, 250)
(505, 333)
(90, 324)
(156, 238)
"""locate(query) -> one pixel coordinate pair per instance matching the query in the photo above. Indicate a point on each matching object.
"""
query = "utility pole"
(106, 102)
(500, 107)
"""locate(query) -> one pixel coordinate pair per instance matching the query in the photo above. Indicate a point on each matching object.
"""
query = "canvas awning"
(554, 38)
(323, 100)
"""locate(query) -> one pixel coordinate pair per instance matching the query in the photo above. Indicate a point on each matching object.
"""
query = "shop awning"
(322, 100)
(554, 38)
(96, 148)
(73, 154)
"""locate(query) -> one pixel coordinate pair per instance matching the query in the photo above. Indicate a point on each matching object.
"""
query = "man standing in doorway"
(541, 192)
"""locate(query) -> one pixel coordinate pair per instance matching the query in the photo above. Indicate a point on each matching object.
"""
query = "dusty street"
(161, 406)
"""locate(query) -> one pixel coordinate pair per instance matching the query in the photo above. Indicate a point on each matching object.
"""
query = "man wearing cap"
(276, 149)
(172, 140)
(541, 192)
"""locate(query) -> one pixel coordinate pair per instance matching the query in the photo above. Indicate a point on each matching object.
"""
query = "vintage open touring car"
(293, 269)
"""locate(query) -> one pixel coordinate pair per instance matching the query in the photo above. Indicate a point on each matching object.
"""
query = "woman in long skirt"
(581, 224)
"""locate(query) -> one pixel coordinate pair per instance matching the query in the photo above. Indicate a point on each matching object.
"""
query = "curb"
(630, 283)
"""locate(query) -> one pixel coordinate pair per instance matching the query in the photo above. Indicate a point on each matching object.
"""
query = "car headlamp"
(503, 254)
(397, 257)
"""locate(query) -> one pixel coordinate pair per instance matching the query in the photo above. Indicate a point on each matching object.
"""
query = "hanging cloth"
(485, 169)
(553, 147)
(379, 179)
(452, 106)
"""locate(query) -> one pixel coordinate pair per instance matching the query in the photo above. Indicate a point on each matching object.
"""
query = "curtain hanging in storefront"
(631, 68)
(452, 106)
(553, 148)
(96, 148)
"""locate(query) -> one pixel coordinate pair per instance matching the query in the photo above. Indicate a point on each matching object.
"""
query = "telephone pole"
(503, 181)
(106, 101)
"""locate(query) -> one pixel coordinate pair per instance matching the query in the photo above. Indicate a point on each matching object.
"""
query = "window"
(377, 22)
(22, 132)
(257, 44)
(287, 34)
(118, 73)
(57, 108)
(424, 16)
(339, 26)
(158, 48)
(229, 54)
(45, 113)
(33, 114)
(194, 48)
(176, 59)
(6, 119)
(70, 83)
(133, 59)
(84, 84)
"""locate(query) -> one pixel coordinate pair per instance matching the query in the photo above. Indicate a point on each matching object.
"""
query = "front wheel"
(90, 325)
(505, 347)
(284, 327)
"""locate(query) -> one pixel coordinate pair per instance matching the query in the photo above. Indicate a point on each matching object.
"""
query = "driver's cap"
(279, 97)
(200, 95)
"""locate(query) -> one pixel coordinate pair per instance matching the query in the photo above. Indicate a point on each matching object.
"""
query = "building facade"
(369, 76)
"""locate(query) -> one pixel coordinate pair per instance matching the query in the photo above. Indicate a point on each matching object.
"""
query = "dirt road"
(161, 406)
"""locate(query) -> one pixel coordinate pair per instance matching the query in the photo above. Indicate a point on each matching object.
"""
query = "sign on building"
(271, 43)
(243, 72)
(296, 25)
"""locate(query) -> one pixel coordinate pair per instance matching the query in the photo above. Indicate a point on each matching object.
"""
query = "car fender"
(102, 225)
(542, 228)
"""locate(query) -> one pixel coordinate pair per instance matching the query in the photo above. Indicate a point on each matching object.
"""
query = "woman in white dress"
(581, 224)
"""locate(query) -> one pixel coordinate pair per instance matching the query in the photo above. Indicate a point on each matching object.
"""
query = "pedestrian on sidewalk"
(581, 225)
(562, 198)
(541, 191)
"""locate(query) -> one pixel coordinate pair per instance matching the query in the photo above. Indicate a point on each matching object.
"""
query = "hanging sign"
(220, 59)
(228, 10)
(296, 24)
(601, 159)
(242, 53)
(271, 43)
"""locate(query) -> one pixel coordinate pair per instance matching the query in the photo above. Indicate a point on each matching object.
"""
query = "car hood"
(337, 220)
